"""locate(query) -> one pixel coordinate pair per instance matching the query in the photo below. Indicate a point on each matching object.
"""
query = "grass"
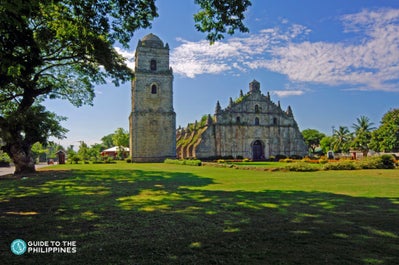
(171, 214)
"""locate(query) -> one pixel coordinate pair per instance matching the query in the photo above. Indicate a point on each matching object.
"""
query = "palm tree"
(341, 139)
(362, 138)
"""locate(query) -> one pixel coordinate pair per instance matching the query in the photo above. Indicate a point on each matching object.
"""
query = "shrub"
(301, 167)
(286, 160)
(191, 162)
(128, 160)
(341, 165)
(388, 161)
(279, 157)
(246, 160)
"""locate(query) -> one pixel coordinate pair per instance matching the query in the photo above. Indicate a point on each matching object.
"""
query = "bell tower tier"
(152, 122)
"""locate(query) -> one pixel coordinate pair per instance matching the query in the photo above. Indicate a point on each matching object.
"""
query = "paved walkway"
(10, 170)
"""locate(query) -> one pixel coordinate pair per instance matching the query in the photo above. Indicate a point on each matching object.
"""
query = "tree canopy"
(386, 137)
(312, 138)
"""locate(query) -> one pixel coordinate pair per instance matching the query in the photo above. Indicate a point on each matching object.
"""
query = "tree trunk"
(22, 158)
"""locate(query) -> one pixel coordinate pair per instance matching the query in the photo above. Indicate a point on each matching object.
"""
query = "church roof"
(152, 40)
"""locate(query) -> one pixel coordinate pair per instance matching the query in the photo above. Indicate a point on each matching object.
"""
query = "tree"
(341, 139)
(61, 49)
(312, 138)
(386, 137)
(120, 137)
(362, 135)
(83, 152)
(220, 16)
(107, 140)
(121, 140)
(326, 143)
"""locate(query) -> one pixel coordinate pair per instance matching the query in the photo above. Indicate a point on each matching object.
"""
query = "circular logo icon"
(18, 247)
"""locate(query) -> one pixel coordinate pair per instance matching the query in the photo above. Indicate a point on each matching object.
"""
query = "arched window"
(274, 121)
(256, 121)
(256, 108)
(153, 65)
(154, 89)
(238, 120)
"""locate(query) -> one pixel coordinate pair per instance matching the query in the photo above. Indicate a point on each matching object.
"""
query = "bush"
(341, 165)
(388, 161)
(377, 162)
(191, 162)
(301, 167)
(279, 157)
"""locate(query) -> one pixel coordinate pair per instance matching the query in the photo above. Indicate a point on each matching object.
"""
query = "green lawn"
(170, 214)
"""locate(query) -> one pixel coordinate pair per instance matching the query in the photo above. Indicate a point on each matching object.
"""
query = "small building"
(113, 152)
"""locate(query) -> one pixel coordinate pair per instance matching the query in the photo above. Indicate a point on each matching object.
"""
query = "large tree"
(341, 139)
(312, 138)
(60, 49)
(386, 137)
(362, 135)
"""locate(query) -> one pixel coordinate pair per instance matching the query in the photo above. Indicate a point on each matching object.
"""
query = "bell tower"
(152, 122)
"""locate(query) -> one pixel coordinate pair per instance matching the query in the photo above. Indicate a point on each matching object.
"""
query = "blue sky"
(331, 61)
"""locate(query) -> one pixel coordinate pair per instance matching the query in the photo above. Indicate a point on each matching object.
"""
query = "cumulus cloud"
(370, 62)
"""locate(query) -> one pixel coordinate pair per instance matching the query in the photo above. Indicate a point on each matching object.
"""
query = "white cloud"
(129, 56)
(287, 93)
(371, 63)
(195, 58)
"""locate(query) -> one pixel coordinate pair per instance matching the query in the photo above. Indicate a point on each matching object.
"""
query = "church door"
(257, 150)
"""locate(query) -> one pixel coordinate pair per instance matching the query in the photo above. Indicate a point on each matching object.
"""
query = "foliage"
(326, 143)
(362, 134)
(386, 137)
(341, 165)
(107, 140)
(312, 138)
(217, 17)
(120, 137)
(377, 162)
(189, 162)
(341, 139)
(301, 167)
(4, 158)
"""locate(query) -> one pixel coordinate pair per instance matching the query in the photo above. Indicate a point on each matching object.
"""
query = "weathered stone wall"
(152, 120)
(252, 119)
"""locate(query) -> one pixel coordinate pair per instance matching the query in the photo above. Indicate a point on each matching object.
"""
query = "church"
(251, 126)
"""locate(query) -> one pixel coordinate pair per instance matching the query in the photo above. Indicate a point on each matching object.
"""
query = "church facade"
(252, 126)
(152, 122)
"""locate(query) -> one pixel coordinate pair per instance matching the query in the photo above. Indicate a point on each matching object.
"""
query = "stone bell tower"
(152, 120)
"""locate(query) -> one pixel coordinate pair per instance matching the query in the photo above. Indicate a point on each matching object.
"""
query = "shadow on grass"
(150, 217)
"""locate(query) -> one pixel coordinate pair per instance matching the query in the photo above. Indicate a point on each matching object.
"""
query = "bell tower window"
(256, 121)
(154, 89)
(153, 65)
